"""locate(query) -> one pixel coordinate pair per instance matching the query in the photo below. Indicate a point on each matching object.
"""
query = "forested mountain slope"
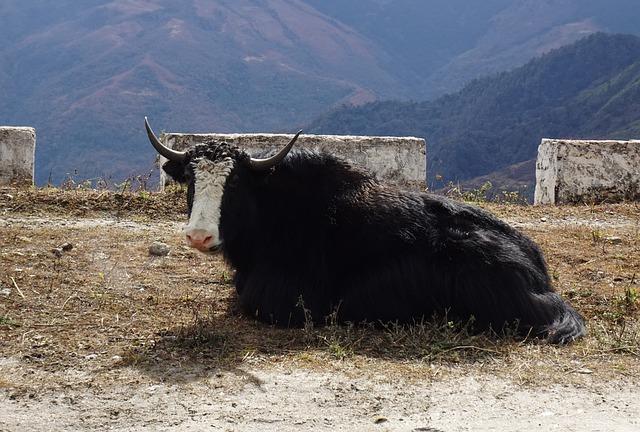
(589, 89)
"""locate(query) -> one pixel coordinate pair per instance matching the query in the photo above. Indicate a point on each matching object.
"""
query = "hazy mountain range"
(85, 73)
(589, 89)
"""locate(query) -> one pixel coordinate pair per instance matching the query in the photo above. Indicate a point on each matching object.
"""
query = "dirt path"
(108, 338)
(285, 399)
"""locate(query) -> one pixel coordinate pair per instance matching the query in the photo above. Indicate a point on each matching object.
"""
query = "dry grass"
(107, 305)
(85, 202)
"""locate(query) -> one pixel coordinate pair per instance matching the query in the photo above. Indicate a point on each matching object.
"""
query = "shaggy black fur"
(318, 229)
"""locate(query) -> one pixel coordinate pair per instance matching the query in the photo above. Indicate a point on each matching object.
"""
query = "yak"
(308, 228)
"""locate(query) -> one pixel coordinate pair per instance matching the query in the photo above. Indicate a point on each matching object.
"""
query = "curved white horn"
(265, 164)
(172, 155)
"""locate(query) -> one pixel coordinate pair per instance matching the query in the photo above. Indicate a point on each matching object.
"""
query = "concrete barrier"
(398, 160)
(573, 171)
(17, 154)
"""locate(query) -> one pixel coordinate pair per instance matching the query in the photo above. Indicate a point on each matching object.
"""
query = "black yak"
(306, 225)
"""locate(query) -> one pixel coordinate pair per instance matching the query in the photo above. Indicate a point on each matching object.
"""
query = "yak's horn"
(172, 155)
(265, 164)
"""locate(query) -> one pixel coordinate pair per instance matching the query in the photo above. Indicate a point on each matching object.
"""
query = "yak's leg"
(388, 290)
(283, 298)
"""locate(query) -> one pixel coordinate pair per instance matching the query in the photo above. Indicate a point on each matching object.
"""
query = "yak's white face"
(206, 190)
(205, 170)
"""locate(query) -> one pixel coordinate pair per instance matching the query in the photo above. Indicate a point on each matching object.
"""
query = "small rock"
(543, 219)
(379, 419)
(159, 249)
(66, 247)
(5, 292)
(57, 252)
(614, 240)
(116, 358)
(91, 356)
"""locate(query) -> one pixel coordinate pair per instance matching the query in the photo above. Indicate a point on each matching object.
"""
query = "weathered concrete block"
(400, 160)
(17, 154)
(571, 171)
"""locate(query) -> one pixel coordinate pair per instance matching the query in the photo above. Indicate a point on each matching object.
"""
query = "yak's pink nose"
(200, 239)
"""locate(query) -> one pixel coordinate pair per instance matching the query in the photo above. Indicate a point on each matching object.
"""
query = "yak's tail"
(568, 327)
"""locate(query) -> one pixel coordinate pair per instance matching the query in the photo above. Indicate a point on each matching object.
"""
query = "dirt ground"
(101, 335)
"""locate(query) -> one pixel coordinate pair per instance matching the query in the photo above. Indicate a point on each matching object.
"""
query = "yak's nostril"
(199, 238)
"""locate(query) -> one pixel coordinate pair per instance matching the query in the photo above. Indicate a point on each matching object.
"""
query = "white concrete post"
(17, 155)
(573, 171)
(399, 160)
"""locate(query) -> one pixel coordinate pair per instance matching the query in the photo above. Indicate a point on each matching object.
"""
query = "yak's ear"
(175, 170)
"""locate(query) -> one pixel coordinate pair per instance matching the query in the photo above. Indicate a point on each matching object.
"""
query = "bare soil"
(105, 336)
